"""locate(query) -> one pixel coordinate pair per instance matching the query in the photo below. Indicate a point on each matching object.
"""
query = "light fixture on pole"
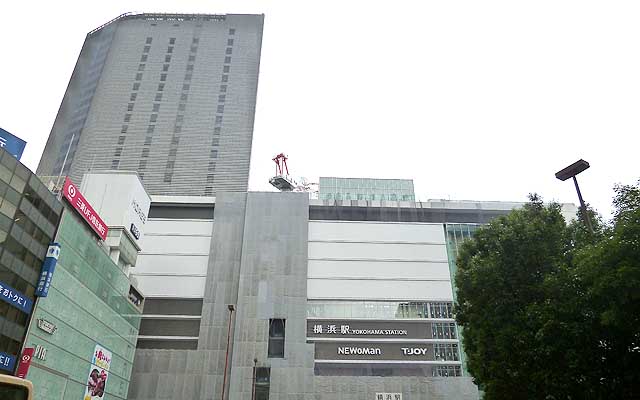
(570, 172)
(253, 385)
(231, 308)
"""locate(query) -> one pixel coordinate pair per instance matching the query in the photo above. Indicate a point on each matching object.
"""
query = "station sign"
(360, 329)
(12, 143)
(82, 206)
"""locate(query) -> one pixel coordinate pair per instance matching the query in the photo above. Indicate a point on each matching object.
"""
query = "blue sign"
(7, 361)
(48, 268)
(15, 298)
(12, 144)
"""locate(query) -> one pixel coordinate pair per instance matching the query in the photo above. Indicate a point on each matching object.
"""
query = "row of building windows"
(379, 309)
(446, 352)
(370, 196)
(447, 370)
(444, 330)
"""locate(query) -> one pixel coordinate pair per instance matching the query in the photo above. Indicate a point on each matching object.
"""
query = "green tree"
(550, 311)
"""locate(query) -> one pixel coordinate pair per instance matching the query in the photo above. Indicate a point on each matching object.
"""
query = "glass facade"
(379, 309)
(88, 305)
(29, 215)
(366, 189)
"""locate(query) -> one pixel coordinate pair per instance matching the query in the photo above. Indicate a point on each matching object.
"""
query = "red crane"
(281, 161)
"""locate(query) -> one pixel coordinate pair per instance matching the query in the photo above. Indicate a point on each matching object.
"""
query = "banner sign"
(48, 267)
(82, 206)
(7, 361)
(25, 362)
(387, 351)
(98, 373)
(15, 298)
(388, 396)
(12, 144)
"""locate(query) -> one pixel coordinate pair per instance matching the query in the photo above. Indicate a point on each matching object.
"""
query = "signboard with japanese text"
(98, 373)
(12, 143)
(15, 298)
(353, 329)
(388, 396)
(82, 206)
(48, 267)
(7, 362)
(25, 362)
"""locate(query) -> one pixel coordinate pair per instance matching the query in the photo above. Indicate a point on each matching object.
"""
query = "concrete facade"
(171, 96)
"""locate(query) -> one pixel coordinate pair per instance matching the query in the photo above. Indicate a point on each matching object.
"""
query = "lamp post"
(231, 308)
(253, 385)
(570, 172)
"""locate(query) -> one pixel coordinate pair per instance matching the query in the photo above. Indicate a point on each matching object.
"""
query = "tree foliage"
(551, 311)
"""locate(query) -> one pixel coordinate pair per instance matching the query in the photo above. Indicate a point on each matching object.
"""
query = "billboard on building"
(98, 373)
(12, 144)
(82, 206)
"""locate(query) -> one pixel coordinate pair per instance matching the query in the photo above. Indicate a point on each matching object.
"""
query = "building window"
(227, 60)
(194, 49)
(229, 42)
(115, 164)
(172, 40)
(226, 69)
(143, 164)
(184, 97)
(121, 139)
(144, 58)
(165, 67)
(217, 130)
(173, 152)
(154, 118)
(229, 50)
(151, 128)
(189, 67)
(149, 39)
(156, 107)
(160, 87)
(133, 96)
(221, 98)
(167, 59)
(263, 380)
(127, 117)
(170, 164)
(163, 77)
(145, 153)
(215, 141)
(146, 49)
(147, 140)
(196, 40)
(138, 77)
(225, 78)
(158, 96)
(220, 109)
(192, 58)
(167, 177)
(232, 31)
(141, 67)
(218, 119)
(177, 129)
(136, 86)
(187, 77)
(117, 152)
(208, 190)
(124, 128)
(179, 118)
(185, 87)
(223, 88)
(170, 49)
(181, 107)
(276, 338)
(130, 107)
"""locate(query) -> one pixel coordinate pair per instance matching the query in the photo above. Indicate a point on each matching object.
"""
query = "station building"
(321, 299)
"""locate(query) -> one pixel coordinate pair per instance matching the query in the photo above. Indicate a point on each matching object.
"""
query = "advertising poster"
(98, 373)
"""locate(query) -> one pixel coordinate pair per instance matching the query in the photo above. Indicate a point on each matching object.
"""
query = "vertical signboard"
(12, 144)
(48, 267)
(82, 206)
(25, 362)
(7, 362)
(98, 373)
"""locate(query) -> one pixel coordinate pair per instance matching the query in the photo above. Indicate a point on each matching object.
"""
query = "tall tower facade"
(171, 96)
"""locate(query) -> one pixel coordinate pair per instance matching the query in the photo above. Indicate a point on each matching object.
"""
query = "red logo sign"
(82, 206)
(25, 362)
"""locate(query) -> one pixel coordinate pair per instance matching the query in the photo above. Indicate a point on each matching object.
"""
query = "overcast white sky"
(480, 100)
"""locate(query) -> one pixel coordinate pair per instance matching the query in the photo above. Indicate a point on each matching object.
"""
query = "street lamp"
(570, 172)
(253, 385)
(231, 308)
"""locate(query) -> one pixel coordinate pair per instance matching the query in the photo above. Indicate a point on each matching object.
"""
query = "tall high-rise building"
(171, 96)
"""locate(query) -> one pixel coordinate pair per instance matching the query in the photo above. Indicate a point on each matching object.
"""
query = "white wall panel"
(376, 232)
(178, 226)
(378, 270)
(171, 264)
(380, 251)
(173, 286)
(176, 244)
(379, 290)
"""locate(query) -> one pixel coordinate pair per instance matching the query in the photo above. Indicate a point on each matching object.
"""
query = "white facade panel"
(162, 264)
(172, 286)
(179, 226)
(169, 244)
(390, 270)
(375, 232)
(377, 251)
(320, 289)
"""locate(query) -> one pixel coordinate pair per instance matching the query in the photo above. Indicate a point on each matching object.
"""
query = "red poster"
(25, 362)
(82, 206)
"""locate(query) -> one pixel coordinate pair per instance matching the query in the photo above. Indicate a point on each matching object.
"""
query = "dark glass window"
(229, 42)
(263, 382)
(232, 31)
(276, 338)
(172, 40)
(149, 39)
